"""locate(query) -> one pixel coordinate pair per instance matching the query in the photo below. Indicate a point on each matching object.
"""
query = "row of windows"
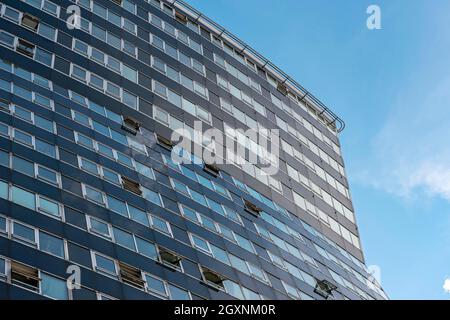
(298, 200)
(195, 110)
(310, 145)
(115, 19)
(236, 92)
(93, 194)
(273, 221)
(327, 197)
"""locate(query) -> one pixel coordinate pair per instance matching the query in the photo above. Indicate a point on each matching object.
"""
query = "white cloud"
(411, 152)
(446, 285)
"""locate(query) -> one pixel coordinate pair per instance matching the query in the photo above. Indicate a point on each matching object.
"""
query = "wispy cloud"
(411, 153)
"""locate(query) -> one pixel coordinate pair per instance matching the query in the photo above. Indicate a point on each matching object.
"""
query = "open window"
(131, 275)
(213, 278)
(324, 288)
(282, 88)
(164, 142)
(30, 22)
(24, 276)
(212, 169)
(170, 258)
(131, 185)
(252, 208)
(118, 2)
(25, 47)
(4, 104)
(131, 125)
(180, 17)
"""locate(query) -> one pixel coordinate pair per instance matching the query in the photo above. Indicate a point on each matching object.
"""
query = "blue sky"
(392, 88)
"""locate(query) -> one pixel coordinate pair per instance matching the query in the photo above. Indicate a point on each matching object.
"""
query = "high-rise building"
(90, 92)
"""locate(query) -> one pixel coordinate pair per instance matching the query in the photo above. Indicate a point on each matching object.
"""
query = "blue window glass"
(190, 214)
(105, 150)
(51, 244)
(105, 264)
(220, 254)
(43, 56)
(23, 198)
(46, 148)
(4, 158)
(23, 166)
(216, 207)
(49, 206)
(198, 197)
(94, 195)
(43, 123)
(23, 232)
(152, 196)
(177, 293)
(138, 215)
(208, 223)
(117, 206)
(23, 137)
(146, 248)
(3, 190)
(160, 225)
(156, 285)
(124, 238)
(53, 287)
(111, 176)
(126, 160)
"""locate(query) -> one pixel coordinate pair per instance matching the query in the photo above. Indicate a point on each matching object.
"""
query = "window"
(104, 265)
(79, 73)
(99, 227)
(177, 293)
(89, 166)
(51, 244)
(43, 123)
(131, 185)
(47, 31)
(11, 14)
(200, 244)
(24, 276)
(23, 137)
(146, 248)
(43, 56)
(131, 275)
(53, 287)
(23, 166)
(47, 174)
(161, 225)
(2, 268)
(23, 198)
(7, 39)
(3, 190)
(124, 238)
(48, 206)
(138, 215)
(212, 278)
(24, 233)
(50, 7)
(94, 195)
(169, 258)
(45, 148)
(30, 22)
(156, 285)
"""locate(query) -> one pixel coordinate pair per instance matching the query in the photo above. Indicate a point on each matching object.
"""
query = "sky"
(392, 88)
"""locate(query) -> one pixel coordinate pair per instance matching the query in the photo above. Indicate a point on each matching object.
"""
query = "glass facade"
(87, 178)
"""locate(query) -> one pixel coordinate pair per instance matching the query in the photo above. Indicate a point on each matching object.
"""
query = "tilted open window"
(131, 185)
(164, 142)
(252, 208)
(131, 125)
(324, 288)
(24, 276)
(180, 17)
(282, 88)
(170, 258)
(212, 169)
(30, 22)
(213, 278)
(118, 2)
(25, 47)
(131, 275)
